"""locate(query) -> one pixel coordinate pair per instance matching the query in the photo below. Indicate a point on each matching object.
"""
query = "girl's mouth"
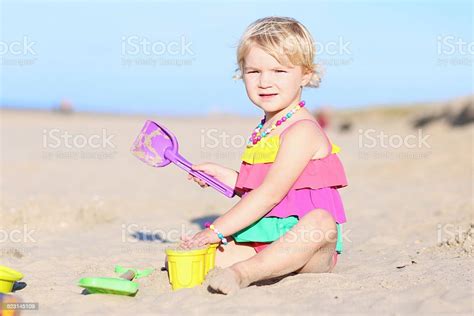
(267, 95)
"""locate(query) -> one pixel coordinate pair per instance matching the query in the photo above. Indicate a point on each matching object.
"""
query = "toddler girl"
(288, 217)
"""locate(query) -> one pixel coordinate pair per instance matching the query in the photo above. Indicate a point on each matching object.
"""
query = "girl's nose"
(265, 80)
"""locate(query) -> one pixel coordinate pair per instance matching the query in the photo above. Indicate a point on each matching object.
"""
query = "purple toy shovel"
(157, 147)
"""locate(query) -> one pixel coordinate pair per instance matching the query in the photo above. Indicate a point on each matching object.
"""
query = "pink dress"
(316, 187)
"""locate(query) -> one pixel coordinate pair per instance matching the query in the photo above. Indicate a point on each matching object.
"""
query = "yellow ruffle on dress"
(266, 150)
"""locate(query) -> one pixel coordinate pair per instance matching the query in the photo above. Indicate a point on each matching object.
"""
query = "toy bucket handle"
(129, 275)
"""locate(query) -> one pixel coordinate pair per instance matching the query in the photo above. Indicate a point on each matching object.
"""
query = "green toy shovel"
(118, 286)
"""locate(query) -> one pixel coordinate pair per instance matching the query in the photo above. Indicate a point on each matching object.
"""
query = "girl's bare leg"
(232, 253)
(307, 248)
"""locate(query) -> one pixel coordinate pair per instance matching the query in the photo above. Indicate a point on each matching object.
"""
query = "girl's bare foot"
(226, 281)
(230, 280)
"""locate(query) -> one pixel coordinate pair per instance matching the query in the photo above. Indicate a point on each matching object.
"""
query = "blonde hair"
(285, 39)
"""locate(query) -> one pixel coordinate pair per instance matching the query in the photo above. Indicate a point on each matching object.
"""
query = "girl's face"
(270, 85)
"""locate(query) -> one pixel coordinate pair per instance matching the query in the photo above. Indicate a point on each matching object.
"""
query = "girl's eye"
(252, 72)
(280, 71)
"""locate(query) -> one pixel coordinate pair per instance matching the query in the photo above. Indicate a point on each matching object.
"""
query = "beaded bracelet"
(213, 228)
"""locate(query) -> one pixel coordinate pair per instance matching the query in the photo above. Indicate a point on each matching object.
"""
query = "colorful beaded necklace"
(257, 136)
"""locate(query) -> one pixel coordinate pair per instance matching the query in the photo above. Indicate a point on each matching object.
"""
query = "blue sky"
(373, 52)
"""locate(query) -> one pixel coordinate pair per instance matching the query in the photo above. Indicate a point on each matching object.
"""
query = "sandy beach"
(68, 213)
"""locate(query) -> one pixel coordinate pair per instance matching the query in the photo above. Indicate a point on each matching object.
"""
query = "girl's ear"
(306, 77)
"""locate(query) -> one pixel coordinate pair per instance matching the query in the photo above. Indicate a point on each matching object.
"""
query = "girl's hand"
(223, 174)
(202, 238)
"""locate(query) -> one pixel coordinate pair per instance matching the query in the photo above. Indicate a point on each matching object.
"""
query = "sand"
(68, 213)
